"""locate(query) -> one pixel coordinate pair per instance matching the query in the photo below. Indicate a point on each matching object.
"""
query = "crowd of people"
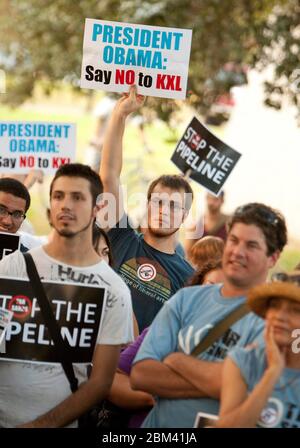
(180, 333)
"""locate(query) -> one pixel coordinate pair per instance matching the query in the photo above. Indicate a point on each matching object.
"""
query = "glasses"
(267, 215)
(173, 206)
(284, 277)
(16, 215)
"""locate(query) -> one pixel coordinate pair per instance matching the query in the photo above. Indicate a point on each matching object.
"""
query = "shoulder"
(124, 224)
(117, 233)
(38, 253)
(254, 322)
(184, 264)
(193, 296)
(200, 292)
(250, 360)
(13, 265)
(113, 280)
(31, 241)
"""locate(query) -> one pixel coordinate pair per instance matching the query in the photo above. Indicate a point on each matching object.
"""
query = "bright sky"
(269, 140)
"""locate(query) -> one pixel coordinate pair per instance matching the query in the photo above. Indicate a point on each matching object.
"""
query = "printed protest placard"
(5, 318)
(9, 242)
(78, 310)
(208, 160)
(36, 145)
(116, 55)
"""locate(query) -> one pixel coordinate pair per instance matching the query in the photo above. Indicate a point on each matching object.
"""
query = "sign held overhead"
(117, 55)
(208, 160)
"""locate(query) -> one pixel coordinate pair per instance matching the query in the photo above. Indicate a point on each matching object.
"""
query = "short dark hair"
(174, 182)
(80, 170)
(16, 188)
(97, 233)
(270, 221)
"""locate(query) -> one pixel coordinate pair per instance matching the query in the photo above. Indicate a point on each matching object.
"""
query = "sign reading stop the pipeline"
(207, 159)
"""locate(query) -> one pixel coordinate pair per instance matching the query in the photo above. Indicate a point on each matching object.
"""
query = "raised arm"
(238, 409)
(32, 177)
(112, 152)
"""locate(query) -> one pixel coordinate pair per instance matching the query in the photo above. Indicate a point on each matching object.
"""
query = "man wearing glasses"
(164, 367)
(147, 262)
(14, 203)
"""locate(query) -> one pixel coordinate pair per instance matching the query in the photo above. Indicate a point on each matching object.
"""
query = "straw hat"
(258, 297)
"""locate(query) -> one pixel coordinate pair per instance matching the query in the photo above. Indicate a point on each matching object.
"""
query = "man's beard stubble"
(66, 233)
(159, 233)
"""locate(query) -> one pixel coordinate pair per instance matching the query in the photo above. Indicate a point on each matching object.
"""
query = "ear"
(274, 258)
(48, 212)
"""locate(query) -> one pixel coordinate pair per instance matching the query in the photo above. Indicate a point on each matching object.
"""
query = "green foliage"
(42, 40)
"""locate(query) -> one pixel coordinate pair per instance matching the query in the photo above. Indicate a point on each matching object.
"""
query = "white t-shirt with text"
(28, 390)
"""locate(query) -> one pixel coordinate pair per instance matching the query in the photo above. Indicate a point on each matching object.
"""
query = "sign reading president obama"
(117, 55)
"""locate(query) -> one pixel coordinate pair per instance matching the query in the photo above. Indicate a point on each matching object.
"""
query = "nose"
(7, 220)
(238, 250)
(66, 203)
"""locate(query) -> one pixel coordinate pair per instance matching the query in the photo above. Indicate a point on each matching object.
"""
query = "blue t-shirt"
(181, 324)
(152, 276)
(282, 409)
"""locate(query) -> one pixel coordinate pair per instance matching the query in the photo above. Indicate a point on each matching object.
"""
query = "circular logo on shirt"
(20, 306)
(146, 272)
(272, 414)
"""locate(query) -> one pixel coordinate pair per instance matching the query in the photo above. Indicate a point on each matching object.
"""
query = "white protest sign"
(116, 55)
(36, 145)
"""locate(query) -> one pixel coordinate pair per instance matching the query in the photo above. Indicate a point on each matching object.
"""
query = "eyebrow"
(6, 208)
(67, 192)
(231, 235)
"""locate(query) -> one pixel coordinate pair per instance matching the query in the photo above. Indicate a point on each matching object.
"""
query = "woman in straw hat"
(261, 385)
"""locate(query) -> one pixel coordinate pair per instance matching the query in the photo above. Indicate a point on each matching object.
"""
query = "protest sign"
(78, 310)
(208, 160)
(9, 242)
(5, 318)
(117, 55)
(36, 145)
(204, 420)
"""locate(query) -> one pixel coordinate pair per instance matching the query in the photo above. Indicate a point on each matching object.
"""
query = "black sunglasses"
(265, 214)
(284, 277)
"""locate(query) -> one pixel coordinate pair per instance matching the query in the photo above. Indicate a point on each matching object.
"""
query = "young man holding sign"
(148, 263)
(36, 394)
